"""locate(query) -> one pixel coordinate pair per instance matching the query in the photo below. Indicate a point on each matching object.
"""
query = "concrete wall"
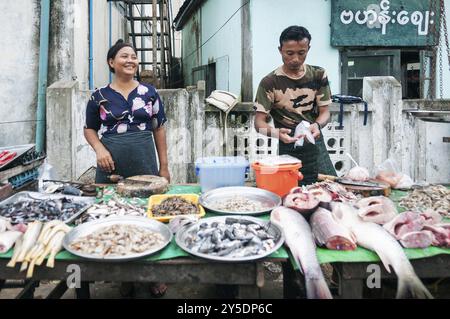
(68, 56)
(18, 70)
(270, 18)
(198, 131)
(67, 149)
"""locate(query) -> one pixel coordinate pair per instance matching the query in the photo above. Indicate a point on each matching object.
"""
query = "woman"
(128, 114)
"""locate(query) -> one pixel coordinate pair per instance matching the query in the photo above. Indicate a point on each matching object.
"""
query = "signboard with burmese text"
(384, 22)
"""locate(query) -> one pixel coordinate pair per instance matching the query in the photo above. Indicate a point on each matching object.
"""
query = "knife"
(347, 181)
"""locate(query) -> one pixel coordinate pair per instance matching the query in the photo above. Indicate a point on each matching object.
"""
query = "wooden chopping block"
(142, 186)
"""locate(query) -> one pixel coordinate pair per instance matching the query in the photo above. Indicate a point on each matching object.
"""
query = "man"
(292, 93)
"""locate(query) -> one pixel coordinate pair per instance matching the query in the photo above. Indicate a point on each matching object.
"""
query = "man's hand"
(104, 160)
(315, 131)
(283, 135)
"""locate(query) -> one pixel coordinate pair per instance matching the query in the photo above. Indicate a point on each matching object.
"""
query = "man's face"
(294, 53)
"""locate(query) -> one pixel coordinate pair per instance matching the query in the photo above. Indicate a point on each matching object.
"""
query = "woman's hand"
(164, 172)
(104, 160)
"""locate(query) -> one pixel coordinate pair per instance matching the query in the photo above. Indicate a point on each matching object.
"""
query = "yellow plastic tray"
(157, 199)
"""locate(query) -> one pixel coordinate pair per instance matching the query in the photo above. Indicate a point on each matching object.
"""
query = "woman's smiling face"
(125, 62)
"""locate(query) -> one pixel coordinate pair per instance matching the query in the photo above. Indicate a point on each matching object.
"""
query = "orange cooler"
(279, 179)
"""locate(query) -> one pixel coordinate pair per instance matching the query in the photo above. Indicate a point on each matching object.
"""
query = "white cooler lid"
(279, 160)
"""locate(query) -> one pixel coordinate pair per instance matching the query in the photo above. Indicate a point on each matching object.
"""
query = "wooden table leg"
(58, 291)
(248, 292)
(291, 289)
(83, 292)
(351, 288)
(29, 289)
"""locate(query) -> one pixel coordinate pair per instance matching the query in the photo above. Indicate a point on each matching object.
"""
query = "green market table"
(173, 265)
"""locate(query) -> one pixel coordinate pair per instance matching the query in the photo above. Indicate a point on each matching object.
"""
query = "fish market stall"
(171, 264)
(184, 259)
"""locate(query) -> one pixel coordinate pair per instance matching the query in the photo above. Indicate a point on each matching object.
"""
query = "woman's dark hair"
(112, 52)
(294, 32)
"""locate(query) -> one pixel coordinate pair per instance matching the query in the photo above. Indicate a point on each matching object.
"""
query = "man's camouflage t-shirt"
(292, 100)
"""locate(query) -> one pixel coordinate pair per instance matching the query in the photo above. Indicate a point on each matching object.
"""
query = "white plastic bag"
(389, 172)
(303, 129)
(46, 172)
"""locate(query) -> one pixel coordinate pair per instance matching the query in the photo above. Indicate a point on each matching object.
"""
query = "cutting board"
(384, 189)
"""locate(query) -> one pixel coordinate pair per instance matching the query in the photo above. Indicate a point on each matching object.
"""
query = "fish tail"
(317, 288)
(411, 286)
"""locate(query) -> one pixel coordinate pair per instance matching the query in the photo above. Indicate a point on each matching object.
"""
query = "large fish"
(301, 243)
(328, 232)
(374, 237)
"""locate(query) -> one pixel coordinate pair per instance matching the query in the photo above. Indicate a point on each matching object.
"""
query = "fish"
(441, 235)
(328, 232)
(431, 217)
(417, 239)
(7, 240)
(236, 237)
(376, 209)
(374, 237)
(29, 239)
(25, 211)
(404, 223)
(301, 243)
(4, 224)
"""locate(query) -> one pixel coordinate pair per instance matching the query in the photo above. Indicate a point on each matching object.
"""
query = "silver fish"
(301, 243)
(374, 237)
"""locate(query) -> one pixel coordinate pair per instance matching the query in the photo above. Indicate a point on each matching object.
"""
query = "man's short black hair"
(112, 52)
(294, 32)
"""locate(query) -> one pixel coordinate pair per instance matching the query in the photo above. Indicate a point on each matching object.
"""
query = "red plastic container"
(279, 179)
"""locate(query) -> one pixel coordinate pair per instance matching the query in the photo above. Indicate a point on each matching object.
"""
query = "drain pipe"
(110, 34)
(43, 73)
(91, 45)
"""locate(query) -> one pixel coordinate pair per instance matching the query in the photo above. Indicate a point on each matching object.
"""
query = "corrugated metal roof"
(185, 12)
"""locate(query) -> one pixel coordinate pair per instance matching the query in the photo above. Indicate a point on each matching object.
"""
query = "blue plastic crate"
(215, 172)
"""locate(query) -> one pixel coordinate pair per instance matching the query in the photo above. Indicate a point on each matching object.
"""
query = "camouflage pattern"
(292, 100)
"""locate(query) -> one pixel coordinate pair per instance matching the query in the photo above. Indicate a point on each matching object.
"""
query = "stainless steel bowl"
(271, 228)
(268, 199)
(90, 227)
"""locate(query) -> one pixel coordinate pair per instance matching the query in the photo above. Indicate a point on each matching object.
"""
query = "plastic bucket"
(279, 179)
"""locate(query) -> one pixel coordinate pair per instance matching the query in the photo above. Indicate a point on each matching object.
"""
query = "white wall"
(19, 31)
(176, 4)
(223, 48)
(101, 39)
(270, 18)
(81, 45)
